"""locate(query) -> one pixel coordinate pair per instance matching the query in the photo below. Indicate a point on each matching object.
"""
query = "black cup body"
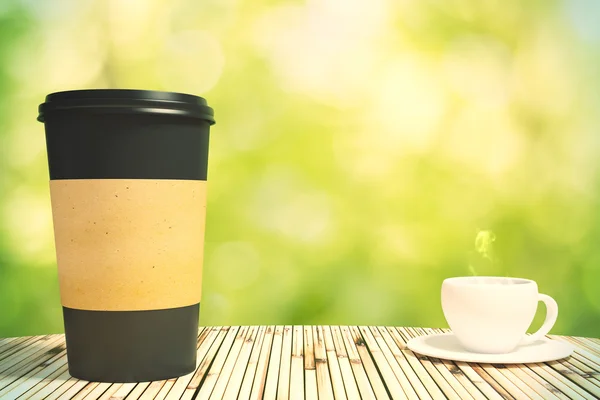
(128, 172)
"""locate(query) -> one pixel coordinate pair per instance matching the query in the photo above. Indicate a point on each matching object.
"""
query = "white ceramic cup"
(489, 314)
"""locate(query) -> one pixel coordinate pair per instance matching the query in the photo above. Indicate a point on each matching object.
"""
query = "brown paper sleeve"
(129, 244)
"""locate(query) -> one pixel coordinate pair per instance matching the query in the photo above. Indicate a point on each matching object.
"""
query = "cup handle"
(551, 315)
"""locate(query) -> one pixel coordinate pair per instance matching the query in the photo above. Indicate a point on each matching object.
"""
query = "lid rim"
(132, 94)
(127, 100)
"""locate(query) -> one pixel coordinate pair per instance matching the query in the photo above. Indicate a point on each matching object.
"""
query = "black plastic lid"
(127, 101)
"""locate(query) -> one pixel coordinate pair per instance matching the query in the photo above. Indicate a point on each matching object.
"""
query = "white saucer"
(446, 346)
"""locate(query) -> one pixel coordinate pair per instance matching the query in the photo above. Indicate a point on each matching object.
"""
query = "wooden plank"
(513, 387)
(580, 343)
(461, 377)
(274, 361)
(583, 346)
(203, 334)
(32, 342)
(581, 363)
(365, 386)
(258, 386)
(26, 353)
(324, 380)
(94, 394)
(237, 375)
(591, 374)
(397, 361)
(310, 372)
(395, 380)
(138, 390)
(17, 345)
(481, 384)
(574, 375)
(73, 390)
(27, 382)
(60, 389)
(52, 386)
(152, 390)
(336, 348)
(375, 379)
(582, 353)
(206, 353)
(246, 388)
(592, 384)
(31, 356)
(297, 364)
(227, 370)
(218, 363)
(39, 372)
(80, 393)
(548, 386)
(337, 381)
(594, 343)
(4, 341)
(123, 391)
(283, 386)
(14, 345)
(565, 385)
(526, 383)
(428, 364)
(179, 386)
(11, 343)
(42, 354)
(516, 378)
(310, 380)
(108, 393)
(165, 389)
(400, 358)
(401, 338)
(323, 361)
(491, 381)
(448, 383)
(452, 373)
(7, 341)
(309, 349)
(45, 382)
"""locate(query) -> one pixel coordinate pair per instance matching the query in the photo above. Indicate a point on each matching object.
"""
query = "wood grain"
(306, 362)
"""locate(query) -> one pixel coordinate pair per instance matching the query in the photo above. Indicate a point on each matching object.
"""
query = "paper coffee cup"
(128, 173)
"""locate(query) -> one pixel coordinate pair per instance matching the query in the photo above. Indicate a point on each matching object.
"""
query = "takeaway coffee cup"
(492, 314)
(128, 190)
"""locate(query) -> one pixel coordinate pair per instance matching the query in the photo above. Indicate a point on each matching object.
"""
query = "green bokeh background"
(359, 148)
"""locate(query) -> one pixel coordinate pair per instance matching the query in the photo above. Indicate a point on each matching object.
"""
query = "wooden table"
(312, 362)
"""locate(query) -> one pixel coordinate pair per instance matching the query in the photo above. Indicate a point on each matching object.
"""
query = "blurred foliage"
(360, 147)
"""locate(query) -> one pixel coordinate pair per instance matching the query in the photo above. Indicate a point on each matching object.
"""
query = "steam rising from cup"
(484, 250)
